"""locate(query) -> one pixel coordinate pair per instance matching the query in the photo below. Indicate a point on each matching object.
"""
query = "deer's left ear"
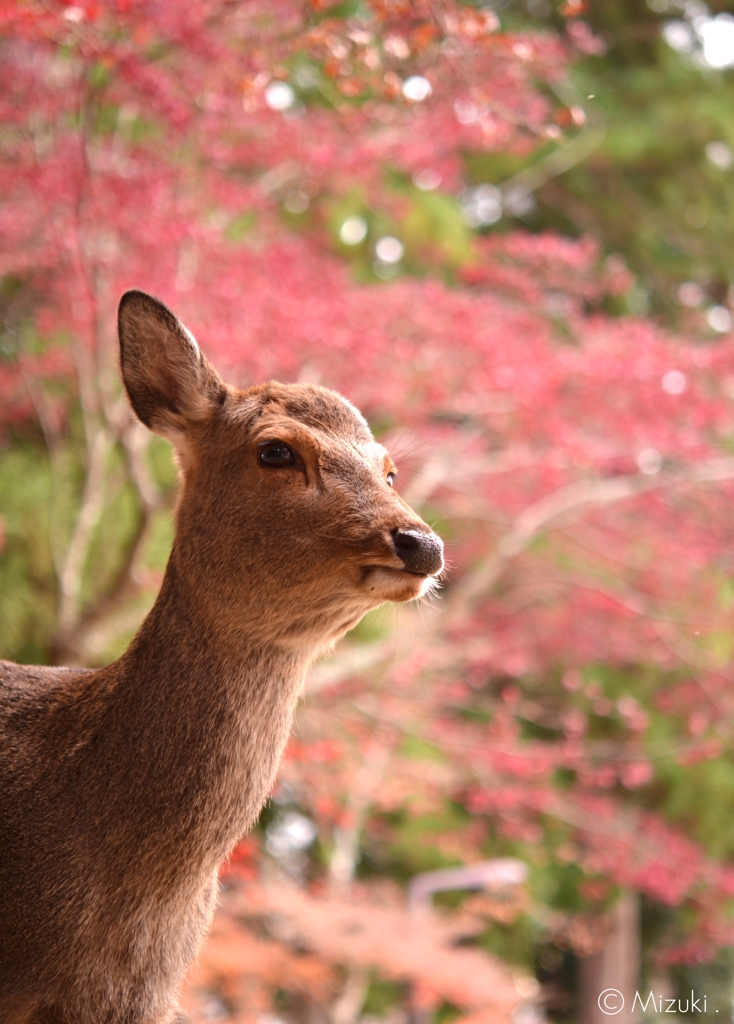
(170, 384)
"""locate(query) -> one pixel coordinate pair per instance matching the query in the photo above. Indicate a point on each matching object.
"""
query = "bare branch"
(567, 502)
(72, 566)
(345, 853)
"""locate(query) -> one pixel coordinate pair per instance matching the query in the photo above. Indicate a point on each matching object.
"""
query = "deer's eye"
(391, 477)
(276, 453)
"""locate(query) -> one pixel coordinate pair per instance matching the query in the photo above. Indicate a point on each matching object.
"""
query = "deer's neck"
(201, 718)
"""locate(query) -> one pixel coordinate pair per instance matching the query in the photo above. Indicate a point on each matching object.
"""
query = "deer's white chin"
(387, 584)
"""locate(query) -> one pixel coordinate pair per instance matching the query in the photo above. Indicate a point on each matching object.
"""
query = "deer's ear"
(170, 384)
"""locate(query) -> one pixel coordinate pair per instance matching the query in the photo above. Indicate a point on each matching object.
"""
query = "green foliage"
(514, 943)
(714, 980)
(648, 190)
(382, 995)
(414, 847)
(700, 797)
(241, 226)
(419, 749)
(27, 578)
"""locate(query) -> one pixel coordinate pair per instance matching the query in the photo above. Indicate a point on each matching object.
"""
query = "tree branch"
(567, 502)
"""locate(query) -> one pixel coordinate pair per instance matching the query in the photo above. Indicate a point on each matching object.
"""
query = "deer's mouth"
(391, 583)
(396, 571)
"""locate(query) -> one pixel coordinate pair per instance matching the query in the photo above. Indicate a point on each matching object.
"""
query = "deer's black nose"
(422, 553)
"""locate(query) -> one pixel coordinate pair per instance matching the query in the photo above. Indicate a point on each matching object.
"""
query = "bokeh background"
(506, 232)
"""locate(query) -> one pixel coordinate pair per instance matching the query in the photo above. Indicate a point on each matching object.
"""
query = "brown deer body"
(122, 790)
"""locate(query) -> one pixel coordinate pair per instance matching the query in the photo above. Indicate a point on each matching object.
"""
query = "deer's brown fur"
(122, 790)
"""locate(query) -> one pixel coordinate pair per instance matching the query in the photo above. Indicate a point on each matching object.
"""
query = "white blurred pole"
(492, 875)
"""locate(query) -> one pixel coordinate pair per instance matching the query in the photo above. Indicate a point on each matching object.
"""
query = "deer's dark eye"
(391, 477)
(276, 453)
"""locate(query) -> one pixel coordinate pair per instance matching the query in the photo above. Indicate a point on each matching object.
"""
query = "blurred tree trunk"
(615, 966)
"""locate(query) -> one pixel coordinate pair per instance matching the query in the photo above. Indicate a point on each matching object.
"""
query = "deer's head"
(287, 522)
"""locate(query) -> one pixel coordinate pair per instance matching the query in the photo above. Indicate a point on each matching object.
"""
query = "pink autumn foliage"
(580, 459)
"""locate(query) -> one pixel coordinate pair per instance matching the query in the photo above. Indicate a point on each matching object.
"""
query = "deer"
(123, 789)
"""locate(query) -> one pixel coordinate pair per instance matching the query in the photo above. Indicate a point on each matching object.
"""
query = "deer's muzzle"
(421, 553)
